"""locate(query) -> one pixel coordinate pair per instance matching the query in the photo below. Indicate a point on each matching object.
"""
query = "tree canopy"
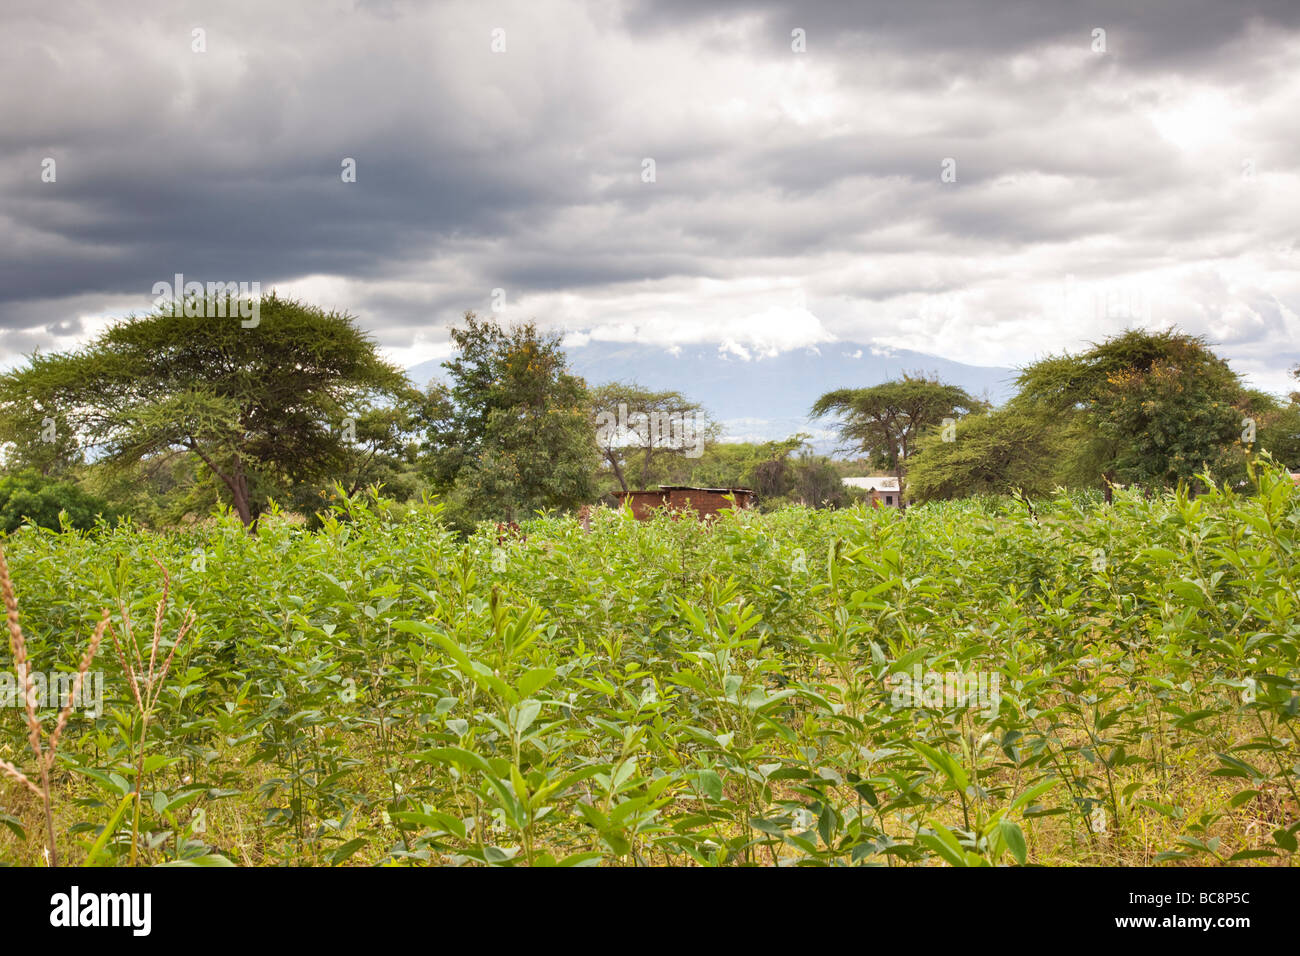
(264, 408)
(1154, 407)
(884, 422)
(644, 431)
(1005, 450)
(512, 432)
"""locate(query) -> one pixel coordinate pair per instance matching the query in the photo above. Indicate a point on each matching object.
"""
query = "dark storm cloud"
(246, 182)
(1157, 33)
(774, 170)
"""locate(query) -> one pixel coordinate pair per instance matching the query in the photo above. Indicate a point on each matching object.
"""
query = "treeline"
(168, 416)
(1142, 409)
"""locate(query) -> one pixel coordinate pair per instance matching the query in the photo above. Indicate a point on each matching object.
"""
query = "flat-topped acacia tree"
(263, 406)
(883, 422)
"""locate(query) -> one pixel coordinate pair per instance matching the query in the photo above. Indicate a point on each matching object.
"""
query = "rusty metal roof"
(716, 491)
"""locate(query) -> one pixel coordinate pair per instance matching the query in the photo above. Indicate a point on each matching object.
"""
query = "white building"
(883, 489)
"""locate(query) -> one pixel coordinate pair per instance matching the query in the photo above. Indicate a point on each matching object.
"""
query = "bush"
(31, 497)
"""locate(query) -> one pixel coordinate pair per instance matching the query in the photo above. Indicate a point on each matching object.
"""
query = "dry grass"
(45, 753)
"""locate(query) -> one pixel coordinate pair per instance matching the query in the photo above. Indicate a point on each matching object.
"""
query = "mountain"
(764, 398)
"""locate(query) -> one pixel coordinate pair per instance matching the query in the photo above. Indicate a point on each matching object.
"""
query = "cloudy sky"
(985, 182)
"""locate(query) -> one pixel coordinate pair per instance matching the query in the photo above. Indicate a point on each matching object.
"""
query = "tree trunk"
(898, 473)
(237, 484)
(618, 471)
(239, 496)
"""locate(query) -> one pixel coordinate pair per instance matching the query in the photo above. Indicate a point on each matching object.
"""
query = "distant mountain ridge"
(765, 398)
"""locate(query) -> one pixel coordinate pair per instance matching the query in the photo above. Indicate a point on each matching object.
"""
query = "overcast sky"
(1148, 175)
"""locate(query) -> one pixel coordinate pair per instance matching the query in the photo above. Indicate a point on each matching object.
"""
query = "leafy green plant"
(378, 690)
(47, 751)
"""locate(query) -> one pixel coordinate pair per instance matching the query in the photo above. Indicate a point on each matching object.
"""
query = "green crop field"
(980, 682)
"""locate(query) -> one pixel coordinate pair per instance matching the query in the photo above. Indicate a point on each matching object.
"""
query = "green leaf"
(109, 829)
(528, 711)
(342, 853)
(434, 820)
(709, 783)
(945, 843)
(1034, 792)
(1251, 855)
(590, 858)
(157, 761)
(534, 680)
(14, 825)
(1015, 840)
(453, 755)
(945, 764)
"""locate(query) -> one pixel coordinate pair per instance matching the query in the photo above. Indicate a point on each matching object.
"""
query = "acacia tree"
(1010, 448)
(885, 421)
(261, 407)
(652, 425)
(1155, 407)
(44, 444)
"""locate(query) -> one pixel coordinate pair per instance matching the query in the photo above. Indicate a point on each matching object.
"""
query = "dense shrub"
(31, 497)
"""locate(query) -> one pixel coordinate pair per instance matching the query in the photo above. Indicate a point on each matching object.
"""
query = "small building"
(883, 489)
(705, 502)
